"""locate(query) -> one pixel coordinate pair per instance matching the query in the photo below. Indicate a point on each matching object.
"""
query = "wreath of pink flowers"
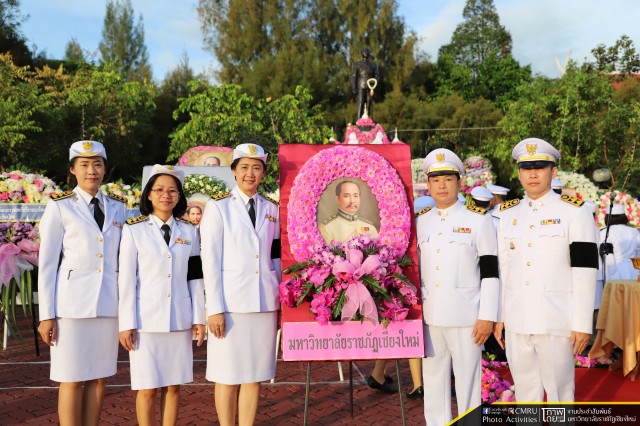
(354, 162)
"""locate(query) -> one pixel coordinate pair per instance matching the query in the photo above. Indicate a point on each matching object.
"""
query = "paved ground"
(27, 396)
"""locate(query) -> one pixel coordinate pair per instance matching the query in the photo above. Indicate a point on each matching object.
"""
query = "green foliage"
(622, 57)
(227, 116)
(11, 39)
(20, 102)
(73, 52)
(123, 42)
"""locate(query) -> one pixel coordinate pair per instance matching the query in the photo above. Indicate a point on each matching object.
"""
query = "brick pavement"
(27, 396)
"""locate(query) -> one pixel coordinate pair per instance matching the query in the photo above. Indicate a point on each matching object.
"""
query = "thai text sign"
(311, 341)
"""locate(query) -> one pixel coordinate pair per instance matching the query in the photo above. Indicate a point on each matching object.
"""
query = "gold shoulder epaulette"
(118, 198)
(220, 196)
(330, 219)
(509, 204)
(270, 199)
(572, 200)
(137, 219)
(61, 195)
(423, 211)
(476, 209)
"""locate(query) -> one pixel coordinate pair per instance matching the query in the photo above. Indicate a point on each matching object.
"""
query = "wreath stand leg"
(306, 396)
(404, 418)
(351, 386)
(35, 327)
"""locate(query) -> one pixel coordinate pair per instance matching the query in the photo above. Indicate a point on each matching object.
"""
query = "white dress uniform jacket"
(626, 244)
(547, 271)
(239, 274)
(451, 242)
(155, 295)
(78, 267)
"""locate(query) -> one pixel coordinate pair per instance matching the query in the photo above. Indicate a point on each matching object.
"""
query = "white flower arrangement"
(130, 192)
(202, 184)
(585, 189)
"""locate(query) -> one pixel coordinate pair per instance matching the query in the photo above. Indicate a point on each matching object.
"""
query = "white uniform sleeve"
(212, 234)
(503, 252)
(489, 287)
(51, 235)
(127, 281)
(584, 278)
(196, 288)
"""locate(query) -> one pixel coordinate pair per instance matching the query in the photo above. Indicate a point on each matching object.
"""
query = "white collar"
(245, 198)
(159, 221)
(87, 197)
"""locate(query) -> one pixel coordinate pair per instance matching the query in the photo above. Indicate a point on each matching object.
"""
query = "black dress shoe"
(384, 387)
(417, 393)
(388, 379)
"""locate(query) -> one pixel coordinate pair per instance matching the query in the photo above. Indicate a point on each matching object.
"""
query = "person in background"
(556, 185)
(161, 307)
(240, 234)
(78, 285)
(625, 242)
(194, 214)
(548, 261)
(499, 196)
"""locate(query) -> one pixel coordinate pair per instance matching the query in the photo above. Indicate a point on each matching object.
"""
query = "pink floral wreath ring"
(354, 162)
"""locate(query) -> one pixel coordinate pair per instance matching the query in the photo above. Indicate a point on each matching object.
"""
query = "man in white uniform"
(460, 290)
(548, 263)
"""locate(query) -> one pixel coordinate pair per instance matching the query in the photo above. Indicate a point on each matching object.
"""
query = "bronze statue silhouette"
(365, 76)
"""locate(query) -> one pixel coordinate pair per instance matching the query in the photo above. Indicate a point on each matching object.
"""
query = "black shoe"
(417, 393)
(388, 379)
(384, 387)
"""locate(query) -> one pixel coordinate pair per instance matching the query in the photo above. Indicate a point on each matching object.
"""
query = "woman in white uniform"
(78, 285)
(161, 296)
(240, 258)
(625, 241)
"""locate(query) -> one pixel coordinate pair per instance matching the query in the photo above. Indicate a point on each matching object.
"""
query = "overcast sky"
(542, 30)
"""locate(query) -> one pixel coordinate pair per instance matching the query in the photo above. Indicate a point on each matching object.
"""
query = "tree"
(20, 103)
(271, 46)
(478, 62)
(73, 52)
(621, 57)
(225, 115)
(123, 42)
(11, 39)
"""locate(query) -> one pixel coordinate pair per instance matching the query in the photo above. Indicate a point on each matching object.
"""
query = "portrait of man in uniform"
(347, 208)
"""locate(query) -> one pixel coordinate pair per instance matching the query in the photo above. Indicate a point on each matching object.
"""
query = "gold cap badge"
(169, 167)
(252, 149)
(87, 146)
(440, 157)
(531, 148)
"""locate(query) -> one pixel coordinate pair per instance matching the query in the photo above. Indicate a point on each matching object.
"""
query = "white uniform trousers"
(447, 345)
(539, 363)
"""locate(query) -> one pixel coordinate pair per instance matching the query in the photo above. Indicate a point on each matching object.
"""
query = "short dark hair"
(146, 207)
(339, 186)
(481, 204)
(616, 219)
(235, 162)
(193, 207)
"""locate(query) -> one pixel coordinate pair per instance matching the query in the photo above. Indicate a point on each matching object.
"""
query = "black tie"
(166, 233)
(97, 212)
(252, 212)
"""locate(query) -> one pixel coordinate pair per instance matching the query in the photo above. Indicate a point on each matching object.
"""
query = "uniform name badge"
(270, 218)
(550, 222)
(461, 230)
(181, 241)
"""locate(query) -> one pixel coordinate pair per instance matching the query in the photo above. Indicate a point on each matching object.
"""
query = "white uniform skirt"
(247, 353)
(85, 349)
(161, 359)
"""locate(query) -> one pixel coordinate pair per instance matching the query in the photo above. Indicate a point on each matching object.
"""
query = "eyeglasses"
(173, 193)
